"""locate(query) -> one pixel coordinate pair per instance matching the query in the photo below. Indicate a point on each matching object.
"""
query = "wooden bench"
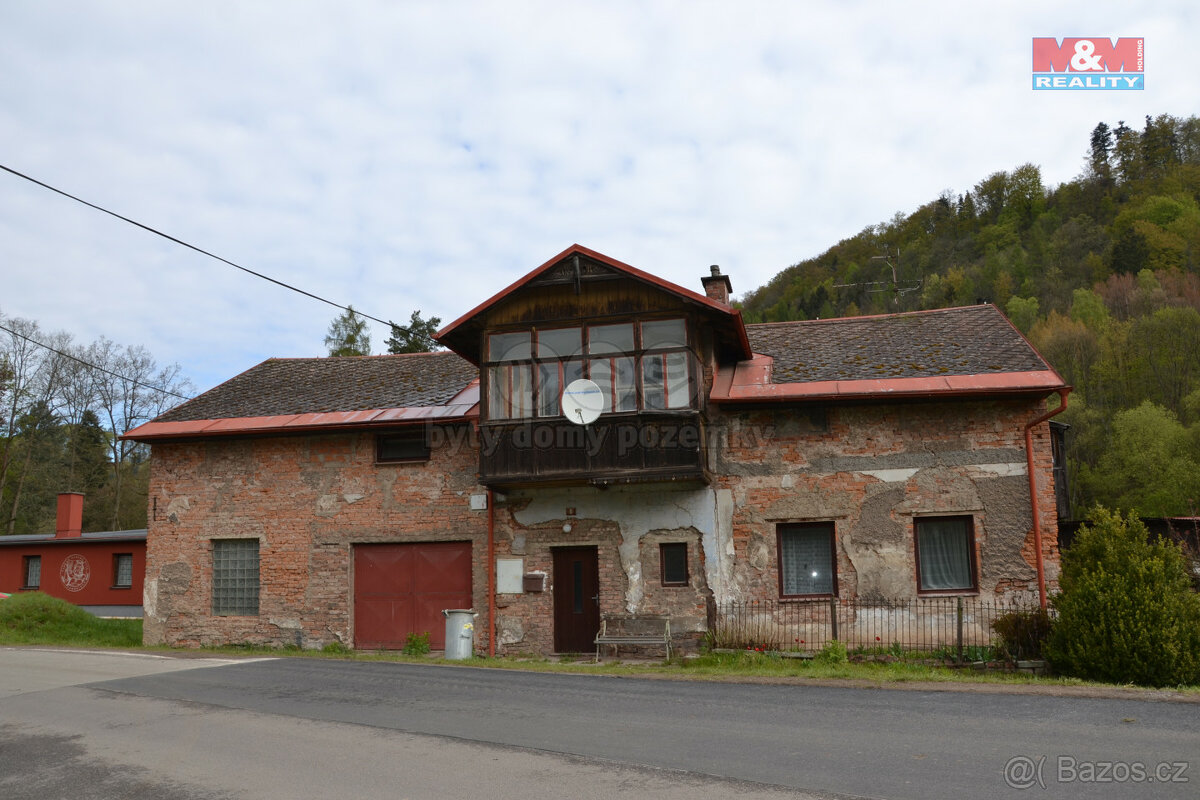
(633, 629)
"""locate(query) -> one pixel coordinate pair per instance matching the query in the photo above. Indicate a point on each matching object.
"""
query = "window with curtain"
(945, 554)
(122, 570)
(807, 564)
(33, 572)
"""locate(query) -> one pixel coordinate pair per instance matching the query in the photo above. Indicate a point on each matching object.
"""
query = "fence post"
(960, 631)
(833, 621)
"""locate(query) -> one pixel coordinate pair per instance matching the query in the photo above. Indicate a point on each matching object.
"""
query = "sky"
(424, 155)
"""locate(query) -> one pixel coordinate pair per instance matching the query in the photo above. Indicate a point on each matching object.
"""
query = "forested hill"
(1102, 273)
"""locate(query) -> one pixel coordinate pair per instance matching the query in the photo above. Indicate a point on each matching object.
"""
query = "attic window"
(642, 365)
(401, 447)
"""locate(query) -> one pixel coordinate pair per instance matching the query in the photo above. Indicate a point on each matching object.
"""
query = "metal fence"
(950, 628)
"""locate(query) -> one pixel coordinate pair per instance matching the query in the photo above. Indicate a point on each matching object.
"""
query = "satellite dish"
(582, 401)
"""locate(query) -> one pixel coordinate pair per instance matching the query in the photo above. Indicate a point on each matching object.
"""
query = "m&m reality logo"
(1089, 63)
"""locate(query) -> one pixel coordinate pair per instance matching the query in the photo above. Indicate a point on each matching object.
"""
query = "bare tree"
(128, 394)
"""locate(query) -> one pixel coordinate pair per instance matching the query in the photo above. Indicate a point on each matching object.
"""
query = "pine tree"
(348, 335)
(416, 337)
(1102, 142)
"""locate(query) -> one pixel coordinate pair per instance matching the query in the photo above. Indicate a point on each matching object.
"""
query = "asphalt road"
(358, 729)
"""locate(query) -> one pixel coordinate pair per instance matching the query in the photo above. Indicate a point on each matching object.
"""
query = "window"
(945, 554)
(673, 558)
(33, 572)
(235, 577)
(402, 446)
(643, 365)
(510, 385)
(123, 570)
(807, 566)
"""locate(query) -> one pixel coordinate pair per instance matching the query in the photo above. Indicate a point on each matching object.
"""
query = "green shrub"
(416, 644)
(1126, 612)
(1023, 633)
(832, 653)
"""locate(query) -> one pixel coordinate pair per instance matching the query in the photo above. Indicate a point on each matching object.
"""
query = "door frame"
(576, 605)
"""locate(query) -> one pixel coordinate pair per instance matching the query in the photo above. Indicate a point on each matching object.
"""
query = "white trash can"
(460, 633)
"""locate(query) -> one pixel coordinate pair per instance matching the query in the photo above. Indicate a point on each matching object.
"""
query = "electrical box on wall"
(508, 575)
(479, 502)
(535, 581)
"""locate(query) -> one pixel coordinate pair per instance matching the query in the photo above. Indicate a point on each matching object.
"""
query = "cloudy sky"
(413, 155)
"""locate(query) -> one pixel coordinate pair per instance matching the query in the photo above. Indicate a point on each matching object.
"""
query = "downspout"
(491, 572)
(1033, 493)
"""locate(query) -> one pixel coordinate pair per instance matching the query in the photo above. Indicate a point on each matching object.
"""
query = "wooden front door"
(402, 588)
(576, 599)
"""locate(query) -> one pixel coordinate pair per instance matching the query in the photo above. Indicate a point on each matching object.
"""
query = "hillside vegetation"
(1102, 273)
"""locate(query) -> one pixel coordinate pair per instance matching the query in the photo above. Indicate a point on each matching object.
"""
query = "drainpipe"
(491, 572)
(1033, 493)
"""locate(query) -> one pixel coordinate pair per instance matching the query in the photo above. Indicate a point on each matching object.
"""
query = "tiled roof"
(972, 340)
(281, 386)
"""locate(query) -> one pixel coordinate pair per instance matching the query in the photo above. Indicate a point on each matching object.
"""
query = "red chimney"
(70, 515)
(717, 286)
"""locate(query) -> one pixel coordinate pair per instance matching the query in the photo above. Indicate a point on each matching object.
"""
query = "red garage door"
(402, 588)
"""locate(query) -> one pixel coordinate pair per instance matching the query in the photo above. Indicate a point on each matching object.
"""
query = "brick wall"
(307, 499)
(870, 469)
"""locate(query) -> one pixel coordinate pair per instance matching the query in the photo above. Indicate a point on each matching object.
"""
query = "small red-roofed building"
(597, 441)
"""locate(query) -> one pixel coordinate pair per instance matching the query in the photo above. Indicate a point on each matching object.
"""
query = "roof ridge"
(358, 358)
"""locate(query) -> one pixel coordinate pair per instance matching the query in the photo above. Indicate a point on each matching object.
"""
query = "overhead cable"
(200, 250)
(94, 366)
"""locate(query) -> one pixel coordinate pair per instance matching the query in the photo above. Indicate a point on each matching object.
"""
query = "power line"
(94, 366)
(170, 238)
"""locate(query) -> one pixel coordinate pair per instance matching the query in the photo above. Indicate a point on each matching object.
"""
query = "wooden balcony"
(660, 446)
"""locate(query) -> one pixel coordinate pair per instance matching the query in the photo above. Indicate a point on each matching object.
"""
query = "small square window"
(122, 570)
(610, 338)
(515, 346)
(664, 333)
(945, 554)
(33, 572)
(404, 446)
(673, 557)
(559, 342)
(235, 577)
(807, 566)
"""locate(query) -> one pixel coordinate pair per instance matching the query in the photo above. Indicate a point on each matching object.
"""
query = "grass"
(36, 618)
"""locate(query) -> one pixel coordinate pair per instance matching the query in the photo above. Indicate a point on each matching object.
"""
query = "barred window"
(235, 577)
(123, 570)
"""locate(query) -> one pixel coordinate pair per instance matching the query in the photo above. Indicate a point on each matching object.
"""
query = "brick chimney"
(717, 286)
(70, 515)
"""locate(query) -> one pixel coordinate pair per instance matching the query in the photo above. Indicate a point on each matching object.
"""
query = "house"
(599, 440)
(101, 572)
